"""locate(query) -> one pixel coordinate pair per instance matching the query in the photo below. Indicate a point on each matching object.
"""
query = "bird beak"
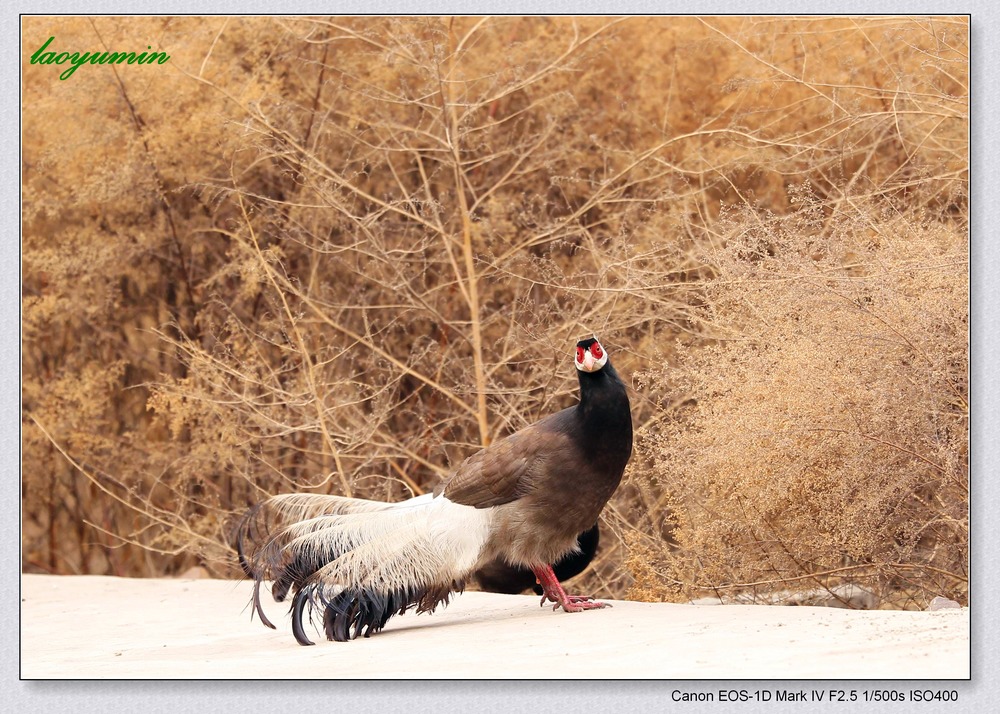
(588, 361)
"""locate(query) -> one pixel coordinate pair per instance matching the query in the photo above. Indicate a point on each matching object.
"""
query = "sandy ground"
(100, 627)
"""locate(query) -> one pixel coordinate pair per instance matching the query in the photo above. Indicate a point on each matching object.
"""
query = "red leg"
(554, 591)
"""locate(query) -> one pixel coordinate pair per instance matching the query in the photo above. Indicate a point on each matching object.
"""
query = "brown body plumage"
(499, 576)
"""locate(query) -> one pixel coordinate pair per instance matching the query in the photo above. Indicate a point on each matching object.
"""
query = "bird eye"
(595, 349)
(579, 355)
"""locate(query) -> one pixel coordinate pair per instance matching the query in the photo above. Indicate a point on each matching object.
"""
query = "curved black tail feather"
(298, 607)
(354, 612)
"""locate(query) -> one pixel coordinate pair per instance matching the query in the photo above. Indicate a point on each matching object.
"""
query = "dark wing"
(509, 469)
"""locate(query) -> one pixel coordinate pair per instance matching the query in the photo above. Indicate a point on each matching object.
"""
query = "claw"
(552, 590)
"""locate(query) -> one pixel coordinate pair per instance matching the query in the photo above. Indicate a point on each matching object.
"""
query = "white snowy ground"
(87, 627)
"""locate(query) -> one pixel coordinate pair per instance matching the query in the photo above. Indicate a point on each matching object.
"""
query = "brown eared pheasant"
(522, 501)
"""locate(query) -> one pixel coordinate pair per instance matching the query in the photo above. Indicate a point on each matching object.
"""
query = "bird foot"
(554, 592)
(573, 603)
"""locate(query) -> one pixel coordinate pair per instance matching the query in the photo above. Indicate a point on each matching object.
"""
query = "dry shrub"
(824, 436)
(339, 255)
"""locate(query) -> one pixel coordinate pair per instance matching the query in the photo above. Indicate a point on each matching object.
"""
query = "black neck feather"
(605, 416)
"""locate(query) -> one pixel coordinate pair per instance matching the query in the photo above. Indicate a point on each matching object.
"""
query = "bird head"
(590, 356)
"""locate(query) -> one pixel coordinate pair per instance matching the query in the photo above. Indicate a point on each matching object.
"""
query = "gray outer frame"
(496, 696)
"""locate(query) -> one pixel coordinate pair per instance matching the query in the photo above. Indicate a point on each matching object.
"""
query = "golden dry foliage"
(339, 255)
(824, 440)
